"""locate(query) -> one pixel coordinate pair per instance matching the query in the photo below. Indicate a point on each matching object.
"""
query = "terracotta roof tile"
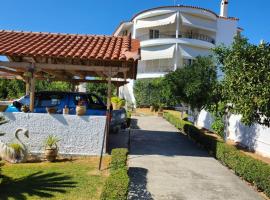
(32, 44)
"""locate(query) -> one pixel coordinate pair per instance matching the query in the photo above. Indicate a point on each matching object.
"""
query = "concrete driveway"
(165, 165)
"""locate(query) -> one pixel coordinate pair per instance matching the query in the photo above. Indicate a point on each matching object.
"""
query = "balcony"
(156, 66)
(188, 35)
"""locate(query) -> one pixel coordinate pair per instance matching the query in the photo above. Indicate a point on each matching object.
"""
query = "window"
(49, 100)
(187, 62)
(125, 33)
(153, 34)
(95, 102)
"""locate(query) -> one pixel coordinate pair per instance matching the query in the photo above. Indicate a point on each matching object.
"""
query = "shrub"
(17, 147)
(250, 169)
(218, 126)
(51, 142)
(116, 186)
(119, 159)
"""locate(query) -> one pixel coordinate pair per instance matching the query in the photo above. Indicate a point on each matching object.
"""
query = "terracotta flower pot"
(80, 110)
(51, 154)
(116, 106)
(51, 110)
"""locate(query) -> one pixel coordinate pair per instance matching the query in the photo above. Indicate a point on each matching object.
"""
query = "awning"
(192, 52)
(196, 22)
(159, 20)
(157, 52)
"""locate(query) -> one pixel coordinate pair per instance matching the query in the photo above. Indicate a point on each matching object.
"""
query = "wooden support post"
(27, 86)
(108, 117)
(73, 87)
(32, 93)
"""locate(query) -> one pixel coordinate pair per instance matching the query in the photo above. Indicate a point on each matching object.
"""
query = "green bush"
(218, 126)
(119, 159)
(116, 186)
(250, 169)
(153, 92)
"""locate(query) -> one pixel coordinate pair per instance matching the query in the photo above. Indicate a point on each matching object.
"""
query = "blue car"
(60, 100)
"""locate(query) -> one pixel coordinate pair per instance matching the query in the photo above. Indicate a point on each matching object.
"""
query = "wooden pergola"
(68, 57)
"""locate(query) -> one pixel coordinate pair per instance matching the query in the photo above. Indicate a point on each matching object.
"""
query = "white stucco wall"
(80, 135)
(126, 92)
(256, 137)
(226, 31)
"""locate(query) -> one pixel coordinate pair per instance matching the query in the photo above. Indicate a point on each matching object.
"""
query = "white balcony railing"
(189, 35)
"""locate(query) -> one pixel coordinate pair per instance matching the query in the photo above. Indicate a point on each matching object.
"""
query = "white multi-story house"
(172, 36)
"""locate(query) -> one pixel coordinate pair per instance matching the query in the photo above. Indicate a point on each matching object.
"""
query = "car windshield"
(48, 100)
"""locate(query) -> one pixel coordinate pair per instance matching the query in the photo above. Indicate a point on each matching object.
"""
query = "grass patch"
(68, 180)
(252, 170)
(176, 113)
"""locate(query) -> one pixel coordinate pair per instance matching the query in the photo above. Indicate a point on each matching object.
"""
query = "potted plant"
(25, 109)
(51, 110)
(117, 103)
(80, 109)
(51, 148)
(17, 148)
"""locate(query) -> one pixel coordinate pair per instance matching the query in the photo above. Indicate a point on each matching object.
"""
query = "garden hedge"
(116, 185)
(249, 168)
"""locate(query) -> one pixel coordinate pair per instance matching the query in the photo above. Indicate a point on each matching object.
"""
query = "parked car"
(60, 100)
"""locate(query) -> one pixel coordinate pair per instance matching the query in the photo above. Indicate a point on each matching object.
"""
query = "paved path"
(165, 165)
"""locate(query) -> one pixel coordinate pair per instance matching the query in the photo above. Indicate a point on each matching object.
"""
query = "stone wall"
(80, 135)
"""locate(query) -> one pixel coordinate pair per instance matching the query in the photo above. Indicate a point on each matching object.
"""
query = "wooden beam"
(41, 66)
(11, 71)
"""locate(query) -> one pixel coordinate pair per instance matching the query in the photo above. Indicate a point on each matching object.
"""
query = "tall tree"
(246, 80)
(195, 84)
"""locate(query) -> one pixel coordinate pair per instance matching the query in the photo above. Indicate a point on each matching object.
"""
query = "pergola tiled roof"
(53, 45)
(90, 52)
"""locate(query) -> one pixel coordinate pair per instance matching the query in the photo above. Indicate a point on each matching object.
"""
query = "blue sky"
(102, 17)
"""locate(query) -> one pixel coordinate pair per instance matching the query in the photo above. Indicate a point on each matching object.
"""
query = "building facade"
(172, 36)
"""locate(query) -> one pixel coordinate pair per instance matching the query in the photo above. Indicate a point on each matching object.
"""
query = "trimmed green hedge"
(250, 169)
(119, 158)
(116, 186)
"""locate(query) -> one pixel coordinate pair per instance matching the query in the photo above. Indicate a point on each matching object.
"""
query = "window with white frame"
(153, 34)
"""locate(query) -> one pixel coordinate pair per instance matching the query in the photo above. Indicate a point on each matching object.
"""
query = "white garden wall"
(256, 137)
(80, 135)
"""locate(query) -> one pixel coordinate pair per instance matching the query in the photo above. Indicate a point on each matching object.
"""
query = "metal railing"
(189, 35)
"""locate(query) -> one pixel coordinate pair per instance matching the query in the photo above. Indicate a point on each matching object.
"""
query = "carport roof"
(70, 53)
(13, 43)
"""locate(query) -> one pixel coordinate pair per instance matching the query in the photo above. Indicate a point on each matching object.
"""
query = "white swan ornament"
(9, 154)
